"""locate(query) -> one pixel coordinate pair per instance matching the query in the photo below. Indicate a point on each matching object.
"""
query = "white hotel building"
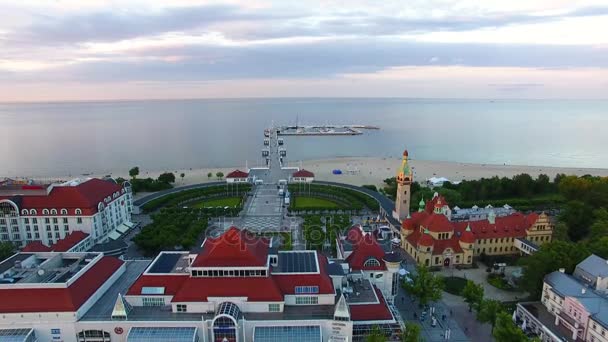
(100, 208)
(237, 288)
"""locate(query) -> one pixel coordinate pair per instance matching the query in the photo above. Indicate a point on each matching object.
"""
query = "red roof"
(36, 246)
(85, 196)
(441, 245)
(514, 225)
(437, 223)
(237, 174)
(287, 283)
(362, 251)
(69, 241)
(371, 312)
(259, 289)
(467, 236)
(233, 248)
(60, 299)
(303, 173)
(171, 283)
(426, 240)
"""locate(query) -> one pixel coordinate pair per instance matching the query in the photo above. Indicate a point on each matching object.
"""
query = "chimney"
(562, 270)
(583, 290)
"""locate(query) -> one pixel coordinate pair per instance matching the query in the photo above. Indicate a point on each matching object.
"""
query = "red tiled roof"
(85, 196)
(437, 223)
(362, 251)
(303, 173)
(354, 235)
(69, 241)
(171, 283)
(426, 240)
(287, 283)
(60, 299)
(371, 312)
(36, 246)
(259, 289)
(467, 236)
(237, 174)
(233, 248)
(514, 225)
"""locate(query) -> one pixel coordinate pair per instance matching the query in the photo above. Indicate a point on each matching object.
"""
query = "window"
(371, 262)
(34, 220)
(26, 220)
(55, 331)
(153, 301)
(306, 289)
(79, 220)
(55, 220)
(182, 308)
(307, 300)
(274, 307)
(436, 260)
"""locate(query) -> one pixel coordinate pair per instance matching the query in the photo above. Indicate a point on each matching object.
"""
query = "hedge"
(177, 198)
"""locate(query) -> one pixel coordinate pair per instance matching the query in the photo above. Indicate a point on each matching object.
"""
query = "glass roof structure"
(297, 262)
(230, 309)
(309, 333)
(17, 335)
(153, 334)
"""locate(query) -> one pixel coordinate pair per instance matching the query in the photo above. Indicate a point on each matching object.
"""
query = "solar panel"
(297, 262)
(288, 333)
(165, 263)
(153, 334)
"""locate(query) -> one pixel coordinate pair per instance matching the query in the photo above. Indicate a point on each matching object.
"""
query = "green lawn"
(454, 285)
(220, 202)
(314, 202)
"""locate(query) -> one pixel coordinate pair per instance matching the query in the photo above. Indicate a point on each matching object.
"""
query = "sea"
(74, 138)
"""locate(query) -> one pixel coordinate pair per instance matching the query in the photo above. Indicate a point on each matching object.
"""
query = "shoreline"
(368, 170)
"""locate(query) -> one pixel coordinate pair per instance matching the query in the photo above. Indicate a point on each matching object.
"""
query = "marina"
(323, 130)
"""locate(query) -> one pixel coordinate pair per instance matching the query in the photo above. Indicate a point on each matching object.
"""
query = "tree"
(599, 247)
(560, 232)
(376, 335)
(473, 294)
(550, 257)
(598, 229)
(134, 172)
(506, 331)
(182, 175)
(488, 311)
(578, 216)
(167, 177)
(425, 286)
(7, 249)
(219, 175)
(411, 333)
(209, 175)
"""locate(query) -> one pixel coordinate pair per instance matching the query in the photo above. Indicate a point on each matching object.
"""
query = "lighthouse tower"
(404, 183)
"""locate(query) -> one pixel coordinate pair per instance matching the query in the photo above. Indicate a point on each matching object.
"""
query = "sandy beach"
(367, 170)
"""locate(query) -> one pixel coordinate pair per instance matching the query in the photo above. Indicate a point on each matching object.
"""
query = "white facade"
(48, 225)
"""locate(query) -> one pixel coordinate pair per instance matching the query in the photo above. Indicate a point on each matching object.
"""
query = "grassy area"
(302, 202)
(454, 285)
(498, 281)
(219, 202)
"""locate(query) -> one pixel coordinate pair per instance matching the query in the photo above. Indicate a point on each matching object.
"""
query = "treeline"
(177, 198)
(354, 200)
(163, 182)
(171, 229)
(522, 192)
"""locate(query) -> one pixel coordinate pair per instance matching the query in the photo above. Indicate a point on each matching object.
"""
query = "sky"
(53, 50)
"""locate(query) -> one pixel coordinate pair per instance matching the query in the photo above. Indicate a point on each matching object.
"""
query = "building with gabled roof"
(237, 176)
(98, 207)
(302, 176)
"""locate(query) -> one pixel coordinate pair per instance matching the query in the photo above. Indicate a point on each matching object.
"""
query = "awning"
(306, 333)
(123, 228)
(17, 335)
(114, 235)
(154, 334)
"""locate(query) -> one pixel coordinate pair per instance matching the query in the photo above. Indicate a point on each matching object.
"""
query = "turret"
(421, 205)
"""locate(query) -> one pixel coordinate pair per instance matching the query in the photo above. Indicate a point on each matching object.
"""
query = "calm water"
(60, 138)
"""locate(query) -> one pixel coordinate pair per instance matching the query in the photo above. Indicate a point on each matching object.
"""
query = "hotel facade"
(100, 208)
(239, 287)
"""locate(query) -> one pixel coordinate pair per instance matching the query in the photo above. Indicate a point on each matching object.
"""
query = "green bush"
(499, 282)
